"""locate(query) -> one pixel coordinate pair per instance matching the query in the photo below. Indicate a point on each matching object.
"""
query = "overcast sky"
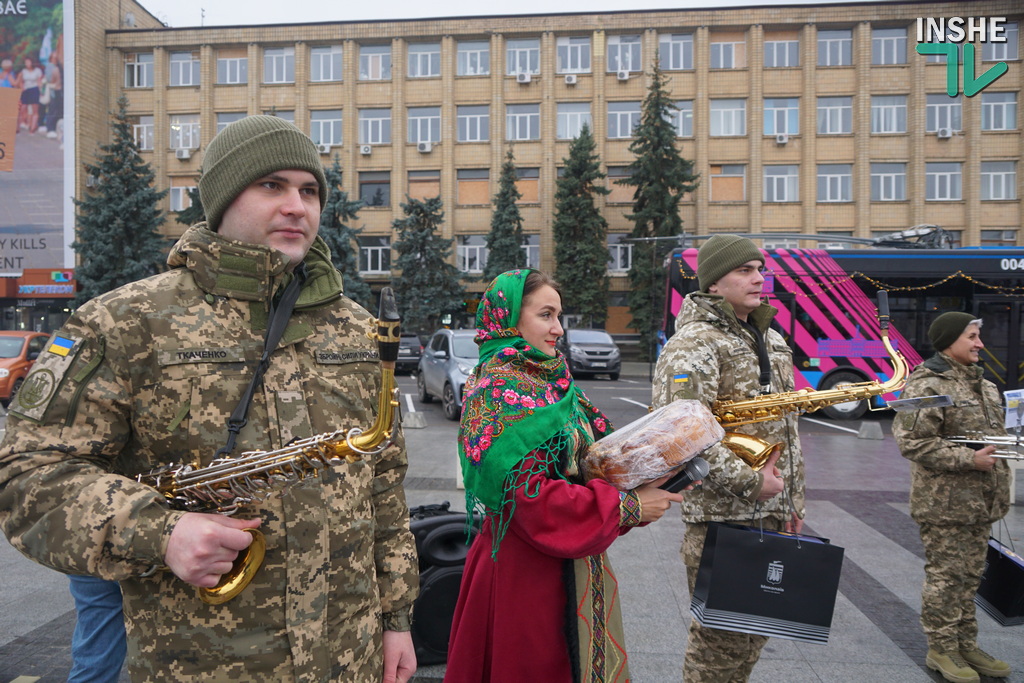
(180, 13)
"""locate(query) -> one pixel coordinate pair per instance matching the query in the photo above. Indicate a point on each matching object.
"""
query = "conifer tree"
(661, 177)
(580, 231)
(342, 238)
(505, 240)
(429, 286)
(118, 237)
(194, 213)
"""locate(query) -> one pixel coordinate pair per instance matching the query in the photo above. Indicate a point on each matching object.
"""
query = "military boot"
(952, 667)
(984, 663)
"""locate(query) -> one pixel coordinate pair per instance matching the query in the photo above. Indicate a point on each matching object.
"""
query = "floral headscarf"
(518, 401)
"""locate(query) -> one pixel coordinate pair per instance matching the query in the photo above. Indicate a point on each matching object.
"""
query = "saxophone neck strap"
(765, 378)
(280, 312)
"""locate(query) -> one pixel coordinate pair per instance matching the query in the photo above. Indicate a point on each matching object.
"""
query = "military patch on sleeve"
(346, 356)
(47, 374)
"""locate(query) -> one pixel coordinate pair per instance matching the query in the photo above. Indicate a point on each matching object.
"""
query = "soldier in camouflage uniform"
(714, 354)
(149, 373)
(956, 492)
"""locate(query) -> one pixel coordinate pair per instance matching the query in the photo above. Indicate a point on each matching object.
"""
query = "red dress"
(509, 622)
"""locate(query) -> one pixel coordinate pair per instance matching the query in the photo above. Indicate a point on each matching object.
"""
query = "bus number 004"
(1012, 263)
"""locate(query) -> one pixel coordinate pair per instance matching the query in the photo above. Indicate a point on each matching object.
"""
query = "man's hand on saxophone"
(772, 484)
(203, 547)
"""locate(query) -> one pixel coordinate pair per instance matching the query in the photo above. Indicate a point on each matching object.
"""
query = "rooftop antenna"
(202, 16)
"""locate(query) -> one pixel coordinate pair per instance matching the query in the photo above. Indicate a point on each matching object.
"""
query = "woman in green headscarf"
(538, 601)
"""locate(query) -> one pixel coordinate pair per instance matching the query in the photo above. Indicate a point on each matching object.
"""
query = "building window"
(998, 111)
(179, 199)
(474, 58)
(889, 46)
(942, 182)
(375, 188)
(998, 180)
(1002, 52)
(835, 48)
(782, 116)
(835, 183)
(471, 253)
(185, 131)
(424, 184)
(675, 50)
(781, 242)
(781, 53)
(224, 118)
(835, 115)
(623, 117)
(571, 117)
(284, 115)
(424, 60)
(682, 118)
(780, 183)
(573, 55)
(473, 123)
(522, 122)
(942, 111)
(528, 185)
(619, 192)
(620, 253)
(375, 126)
(824, 237)
(522, 56)
(374, 62)
(374, 254)
(531, 249)
(624, 54)
(325, 63)
(728, 183)
(728, 117)
(888, 182)
(731, 55)
(138, 70)
(325, 127)
(232, 69)
(998, 238)
(424, 124)
(889, 114)
(472, 186)
(143, 133)
(279, 65)
(184, 69)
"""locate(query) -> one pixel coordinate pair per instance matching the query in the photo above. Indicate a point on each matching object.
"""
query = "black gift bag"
(767, 582)
(1001, 592)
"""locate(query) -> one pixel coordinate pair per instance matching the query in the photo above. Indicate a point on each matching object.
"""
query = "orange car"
(18, 351)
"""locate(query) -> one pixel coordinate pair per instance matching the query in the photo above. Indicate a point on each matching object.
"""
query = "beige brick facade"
(741, 33)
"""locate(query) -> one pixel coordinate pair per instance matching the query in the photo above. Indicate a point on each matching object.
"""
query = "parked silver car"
(590, 352)
(446, 363)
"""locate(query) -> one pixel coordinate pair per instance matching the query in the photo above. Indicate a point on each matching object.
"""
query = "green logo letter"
(971, 86)
(952, 62)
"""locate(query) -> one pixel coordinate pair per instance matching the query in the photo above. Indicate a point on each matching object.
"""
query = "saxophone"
(228, 484)
(755, 451)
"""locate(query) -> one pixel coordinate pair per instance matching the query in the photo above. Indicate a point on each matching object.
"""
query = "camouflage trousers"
(954, 562)
(713, 655)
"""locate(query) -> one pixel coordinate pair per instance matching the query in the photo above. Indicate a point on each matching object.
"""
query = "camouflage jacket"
(148, 374)
(944, 486)
(713, 357)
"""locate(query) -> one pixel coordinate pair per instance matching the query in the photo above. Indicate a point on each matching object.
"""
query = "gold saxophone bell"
(749, 449)
(241, 573)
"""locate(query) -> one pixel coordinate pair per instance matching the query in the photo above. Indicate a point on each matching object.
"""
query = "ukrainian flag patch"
(61, 346)
(682, 377)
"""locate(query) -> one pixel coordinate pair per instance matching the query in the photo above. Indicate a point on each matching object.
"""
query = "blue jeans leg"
(98, 645)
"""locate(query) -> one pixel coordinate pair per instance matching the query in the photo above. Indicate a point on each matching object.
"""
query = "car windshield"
(465, 347)
(10, 347)
(590, 337)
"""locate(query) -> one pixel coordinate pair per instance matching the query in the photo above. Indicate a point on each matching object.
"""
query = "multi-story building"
(819, 120)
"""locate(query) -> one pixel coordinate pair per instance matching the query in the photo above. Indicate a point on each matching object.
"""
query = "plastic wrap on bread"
(657, 444)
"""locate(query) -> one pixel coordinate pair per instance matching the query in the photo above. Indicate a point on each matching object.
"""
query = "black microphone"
(695, 470)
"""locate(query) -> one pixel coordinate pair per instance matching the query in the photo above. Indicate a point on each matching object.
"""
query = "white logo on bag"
(774, 572)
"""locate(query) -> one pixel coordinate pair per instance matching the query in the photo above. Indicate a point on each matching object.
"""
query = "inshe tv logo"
(941, 37)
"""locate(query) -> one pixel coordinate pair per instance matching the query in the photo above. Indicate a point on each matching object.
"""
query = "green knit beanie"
(721, 254)
(947, 328)
(247, 150)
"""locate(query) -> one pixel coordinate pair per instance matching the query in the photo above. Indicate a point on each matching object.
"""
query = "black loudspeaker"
(442, 545)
